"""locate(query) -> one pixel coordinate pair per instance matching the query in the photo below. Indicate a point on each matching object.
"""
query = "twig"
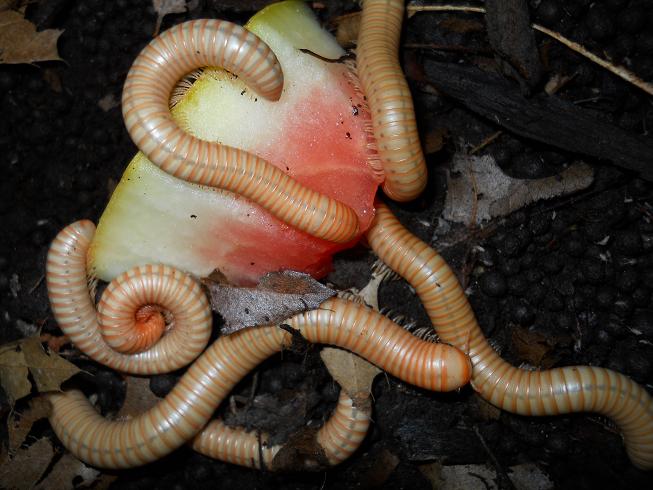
(413, 9)
(501, 472)
(485, 142)
(620, 71)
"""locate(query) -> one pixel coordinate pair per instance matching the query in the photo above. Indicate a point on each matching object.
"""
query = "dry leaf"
(108, 102)
(534, 348)
(48, 370)
(165, 7)
(277, 297)
(434, 140)
(478, 190)
(347, 27)
(13, 372)
(26, 468)
(20, 43)
(19, 425)
(138, 398)
(65, 470)
(354, 374)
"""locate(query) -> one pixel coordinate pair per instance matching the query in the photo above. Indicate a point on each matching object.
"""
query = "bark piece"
(549, 120)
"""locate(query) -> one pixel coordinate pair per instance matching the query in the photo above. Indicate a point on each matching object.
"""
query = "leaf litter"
(27, 357)
(21, 43)
(277, 297)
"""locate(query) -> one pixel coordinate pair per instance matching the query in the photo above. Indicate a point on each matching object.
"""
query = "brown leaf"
(26, 468)
(20, 424)
(278, 296)
(48, 370)
(14, 372)
(347, 27)
(65, 470)
(165, 7)
(535, 348)
(354, 374)
(20, 43)
(434, 140)
(138, 398)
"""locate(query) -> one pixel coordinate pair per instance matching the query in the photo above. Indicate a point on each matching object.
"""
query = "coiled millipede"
(549, 392)
(189, 406)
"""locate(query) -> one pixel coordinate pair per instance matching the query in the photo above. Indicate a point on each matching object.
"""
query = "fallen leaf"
(19, 425)
(347, 27)
(165, 7)
(26, 356)
(478, 190)
(434, 140)
(27, 466)
(108, 102)
(13, 372)
(535, 348)
(20, 43)
(67, 469)
(277, 297)
(138, 398)
(354, 374)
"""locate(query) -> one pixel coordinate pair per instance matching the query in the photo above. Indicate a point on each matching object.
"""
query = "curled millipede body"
(96, 332)
(146, 94)
(549, 392)
(389, 99)
(336, 440)
(189, 406)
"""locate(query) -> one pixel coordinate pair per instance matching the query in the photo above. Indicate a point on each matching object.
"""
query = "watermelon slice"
(316, 133)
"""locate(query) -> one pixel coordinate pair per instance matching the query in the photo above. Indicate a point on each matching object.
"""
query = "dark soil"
(575, 274)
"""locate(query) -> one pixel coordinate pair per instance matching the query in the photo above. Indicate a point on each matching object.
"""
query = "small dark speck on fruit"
(243, 92)
(251, 263)
(354, 110)
(287, 168)
(348, 135)
(247, 311)
(197, 52)
(255, 99)
(193, 216)
(248, 215)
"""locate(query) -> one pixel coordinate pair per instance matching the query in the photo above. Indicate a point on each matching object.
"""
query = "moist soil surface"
(562, 282)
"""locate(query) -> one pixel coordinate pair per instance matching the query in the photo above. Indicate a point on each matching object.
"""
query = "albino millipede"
(336, 440)
(145, 100)
(389, 99)
(189, 406)
(549, 392)
(113, 335)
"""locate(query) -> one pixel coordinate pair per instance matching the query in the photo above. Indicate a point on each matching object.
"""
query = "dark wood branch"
(547, 119)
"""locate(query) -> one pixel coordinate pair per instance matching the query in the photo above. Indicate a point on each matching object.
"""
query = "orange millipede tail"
(550, 392)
